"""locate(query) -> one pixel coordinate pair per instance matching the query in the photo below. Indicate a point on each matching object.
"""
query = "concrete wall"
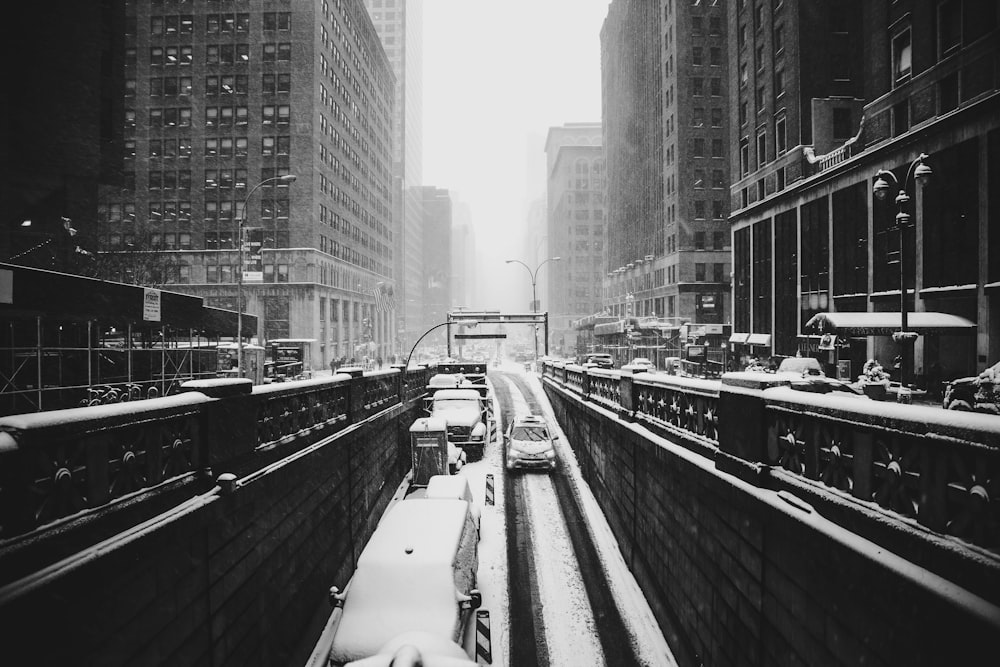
(232, 577)
(742, 575)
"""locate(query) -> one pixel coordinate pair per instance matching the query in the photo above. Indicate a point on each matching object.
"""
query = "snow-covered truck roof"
(405, 579)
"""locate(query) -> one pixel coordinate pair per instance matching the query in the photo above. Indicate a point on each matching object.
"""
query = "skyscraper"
(399, 24)
(221, 101)
(575, 186)
(663, 101)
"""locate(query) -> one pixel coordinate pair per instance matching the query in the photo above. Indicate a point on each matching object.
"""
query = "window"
(697, 86)
(699, 209)
(718, 212)
(699, 179)
(779, 39)
(719, 239)
(699, 272)
(714, 26)
(744, 156)
(716, 87)
(779, 83)
(716, 117)
(697, 25)
(698, 147)
(780, 145)
(699, 240)
(269, 53)
(743, 112)
(949, 27)
(718, 180)
(761, 148)
(698, 117)
(267, 145)
(285, 51)
(716, 147)
(697, 56)
(715, 56)
(744, 75)
(759, 99)
(902, 54)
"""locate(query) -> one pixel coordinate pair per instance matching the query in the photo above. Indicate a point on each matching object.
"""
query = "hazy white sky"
(497, 75)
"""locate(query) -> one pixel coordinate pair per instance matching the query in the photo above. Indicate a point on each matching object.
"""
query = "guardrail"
(60, 465)
(933, 468)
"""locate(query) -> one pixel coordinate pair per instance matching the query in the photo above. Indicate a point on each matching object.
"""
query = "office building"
(664, 95)
(576, 229)
(224, 99)
(829, 95)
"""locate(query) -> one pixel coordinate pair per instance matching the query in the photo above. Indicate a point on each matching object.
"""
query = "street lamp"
(468, 323)
(534, 295)
(917, 172)
(287, 178)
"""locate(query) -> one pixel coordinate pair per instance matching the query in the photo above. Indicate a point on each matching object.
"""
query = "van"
(417, 574)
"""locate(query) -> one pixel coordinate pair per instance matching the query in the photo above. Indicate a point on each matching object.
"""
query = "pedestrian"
(378, 361)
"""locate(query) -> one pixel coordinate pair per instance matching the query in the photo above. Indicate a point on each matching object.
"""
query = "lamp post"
(287, 178)
(917, 172)
(468, 323)
(534, 293)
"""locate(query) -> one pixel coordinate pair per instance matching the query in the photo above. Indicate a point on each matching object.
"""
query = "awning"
(739, 337)
(885, 324)
(759, 339)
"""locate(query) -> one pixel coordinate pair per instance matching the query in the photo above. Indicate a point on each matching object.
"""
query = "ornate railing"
(58, 463)
(932, 467)
(923, 465)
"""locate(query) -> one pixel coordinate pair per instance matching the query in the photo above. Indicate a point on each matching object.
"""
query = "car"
(801, 365)
(599, 359)
(529, 444)
(975, 393)
(639, 365)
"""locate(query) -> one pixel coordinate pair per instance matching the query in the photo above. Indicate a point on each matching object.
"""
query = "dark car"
(974, 394)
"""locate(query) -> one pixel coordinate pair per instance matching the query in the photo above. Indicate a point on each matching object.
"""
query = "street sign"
(480, 336)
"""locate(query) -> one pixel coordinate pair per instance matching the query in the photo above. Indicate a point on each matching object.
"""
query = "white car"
(640, 365)
(529, 444)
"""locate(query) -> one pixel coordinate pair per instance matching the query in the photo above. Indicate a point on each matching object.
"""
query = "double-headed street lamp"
(287, 178)
(534, 293)
(917, 172)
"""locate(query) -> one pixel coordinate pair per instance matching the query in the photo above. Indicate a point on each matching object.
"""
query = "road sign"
(480, 336)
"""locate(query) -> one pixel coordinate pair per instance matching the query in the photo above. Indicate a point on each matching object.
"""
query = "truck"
(467, 417)
(414, 591)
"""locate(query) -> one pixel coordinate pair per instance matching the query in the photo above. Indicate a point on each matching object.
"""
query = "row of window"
(270, 114)
(165, 56)
(215, 24)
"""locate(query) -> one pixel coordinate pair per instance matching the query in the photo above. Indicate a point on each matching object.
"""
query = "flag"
(385, 300)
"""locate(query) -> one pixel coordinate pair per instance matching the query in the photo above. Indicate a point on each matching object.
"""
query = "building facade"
(437, 223)
(575, 185)
(905, 87)
(400, 26)
(664, 95)
(223, 100)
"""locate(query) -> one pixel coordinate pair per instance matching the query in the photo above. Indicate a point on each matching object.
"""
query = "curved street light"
(287, 178)
(534, 294)
(406, 365)
(918, 172)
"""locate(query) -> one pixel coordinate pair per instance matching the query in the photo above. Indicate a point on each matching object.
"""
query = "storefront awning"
(738, 337)
(885, 324)
(759, 339)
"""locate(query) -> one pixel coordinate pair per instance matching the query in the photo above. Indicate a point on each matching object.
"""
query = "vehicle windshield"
(806, 365)
(455, 404)
(533, 433)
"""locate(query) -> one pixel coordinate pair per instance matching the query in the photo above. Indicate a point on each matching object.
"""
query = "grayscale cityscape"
(445, 333)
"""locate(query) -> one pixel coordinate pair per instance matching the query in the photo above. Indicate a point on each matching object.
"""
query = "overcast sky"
(497, 75)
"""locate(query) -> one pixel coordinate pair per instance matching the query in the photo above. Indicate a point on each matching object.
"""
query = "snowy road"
(572, 600)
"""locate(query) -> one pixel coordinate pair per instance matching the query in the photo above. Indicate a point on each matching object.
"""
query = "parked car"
(639, 365)
(529, 444)
(974, 394)
(801, 365)
(599, 359)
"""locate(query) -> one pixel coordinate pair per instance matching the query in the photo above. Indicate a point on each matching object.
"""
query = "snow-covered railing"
(57, 464)
(939, 469)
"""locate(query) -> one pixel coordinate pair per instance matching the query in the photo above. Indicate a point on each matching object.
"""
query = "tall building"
(575, 193)
(221, 101)
(663, 99)
(437, 224)
(62, 138)
(399, 24)
(830, 94)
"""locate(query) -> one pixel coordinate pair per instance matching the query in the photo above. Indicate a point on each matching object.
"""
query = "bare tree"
(135, 258)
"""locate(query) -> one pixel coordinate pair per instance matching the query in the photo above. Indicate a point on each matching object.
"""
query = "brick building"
(664, 93)
(221, 98)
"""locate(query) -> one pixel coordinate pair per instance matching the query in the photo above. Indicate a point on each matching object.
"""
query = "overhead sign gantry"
(477, 317)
